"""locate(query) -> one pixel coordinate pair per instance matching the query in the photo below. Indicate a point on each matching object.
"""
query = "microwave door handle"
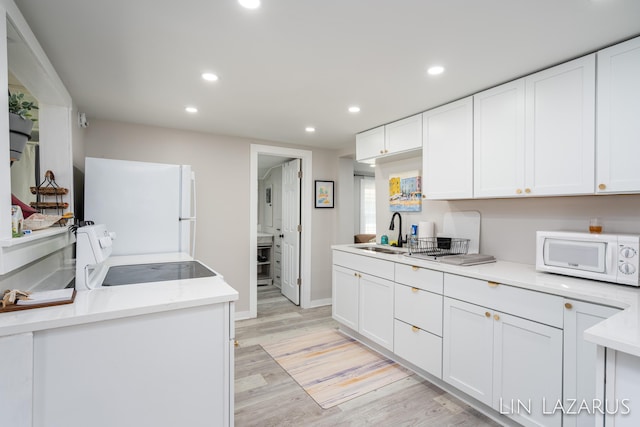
(609, 258)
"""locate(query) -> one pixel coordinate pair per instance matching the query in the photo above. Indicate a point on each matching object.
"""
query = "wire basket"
(438, 246)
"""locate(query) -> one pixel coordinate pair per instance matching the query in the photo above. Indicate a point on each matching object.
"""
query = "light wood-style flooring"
(265, 395)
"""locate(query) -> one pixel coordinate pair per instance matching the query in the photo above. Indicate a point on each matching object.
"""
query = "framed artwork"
(405, 192)
(268, 195)
(324, 194)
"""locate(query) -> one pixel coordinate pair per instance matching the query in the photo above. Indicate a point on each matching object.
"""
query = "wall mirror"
(24, 172)
(28, 70)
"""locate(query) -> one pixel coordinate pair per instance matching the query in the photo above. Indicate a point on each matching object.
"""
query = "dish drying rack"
(438, 246)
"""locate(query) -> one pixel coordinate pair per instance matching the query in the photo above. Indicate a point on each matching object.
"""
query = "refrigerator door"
(140, 202)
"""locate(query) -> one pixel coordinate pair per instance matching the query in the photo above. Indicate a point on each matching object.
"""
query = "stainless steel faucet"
(392, 227)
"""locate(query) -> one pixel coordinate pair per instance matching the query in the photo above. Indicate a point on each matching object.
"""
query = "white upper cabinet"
(403, 135)
(560, 129)
(535, 136)
(370, 144)
(498, 141)
(447, 151)
(618, 147)
(397, 137)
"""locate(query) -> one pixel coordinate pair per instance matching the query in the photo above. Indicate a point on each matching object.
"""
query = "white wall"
(508, 226)
(345, 193)
(221, 165)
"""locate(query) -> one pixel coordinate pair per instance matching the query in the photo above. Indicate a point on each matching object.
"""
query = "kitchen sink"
(381, 250)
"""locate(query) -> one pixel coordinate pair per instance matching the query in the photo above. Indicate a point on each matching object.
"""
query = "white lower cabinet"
(527, 370)
(419, 308)
(376, 310)
(467, 349)
(418, 347)
(346, 296)
(518, 351)
(172, 368)
(361, 301)
(16, 382)
(512, 364)
(580, 362)
(622, 385)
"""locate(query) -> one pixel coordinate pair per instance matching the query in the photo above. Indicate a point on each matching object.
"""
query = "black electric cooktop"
(160, 272)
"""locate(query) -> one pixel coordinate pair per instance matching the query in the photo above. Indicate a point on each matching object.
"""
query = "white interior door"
(290, 223)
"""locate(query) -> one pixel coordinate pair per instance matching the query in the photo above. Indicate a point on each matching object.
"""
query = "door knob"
(281, 236)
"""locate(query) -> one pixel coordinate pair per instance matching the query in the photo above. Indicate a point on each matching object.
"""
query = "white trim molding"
(306, 202)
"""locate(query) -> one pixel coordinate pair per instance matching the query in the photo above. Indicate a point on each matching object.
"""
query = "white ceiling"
(297, 63)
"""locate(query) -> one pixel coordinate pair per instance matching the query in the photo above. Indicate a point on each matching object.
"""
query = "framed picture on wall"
(405, 192)
(324, 194)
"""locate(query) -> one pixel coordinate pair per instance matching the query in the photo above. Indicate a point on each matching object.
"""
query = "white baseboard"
(243, 315)
(319, 303)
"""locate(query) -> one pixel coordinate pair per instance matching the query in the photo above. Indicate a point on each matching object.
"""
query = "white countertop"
(619, 332)
(123, 301)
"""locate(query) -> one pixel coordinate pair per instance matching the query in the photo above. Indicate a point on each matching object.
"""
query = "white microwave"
(607, 257)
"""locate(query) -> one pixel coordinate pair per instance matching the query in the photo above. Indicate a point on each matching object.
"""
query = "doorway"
(280, 155)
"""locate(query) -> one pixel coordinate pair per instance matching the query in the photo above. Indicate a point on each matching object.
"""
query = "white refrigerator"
(150, 206)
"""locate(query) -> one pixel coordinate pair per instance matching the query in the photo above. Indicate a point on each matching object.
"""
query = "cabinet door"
(467, 349)
(580, 366)
(370, 144)
(147, 366)
(403, 135)
(527, 370)
(622, 389)
(498, 141)
(447, 151)
(16, 382)
(560, 129)
(345, 296)
(618, 139)
(376, 310)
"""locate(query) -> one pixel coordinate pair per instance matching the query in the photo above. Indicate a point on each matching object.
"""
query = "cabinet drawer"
(537, 306)
(418, 347)
(365, 264)
(418, 308)
(428, 280)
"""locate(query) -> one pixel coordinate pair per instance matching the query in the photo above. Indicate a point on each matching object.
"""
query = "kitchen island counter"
(123, 301)
(159, 352)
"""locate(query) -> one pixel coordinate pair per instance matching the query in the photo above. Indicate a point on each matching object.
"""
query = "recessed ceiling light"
(249, 4)
(191, 110)
(435, 70)
(354, 109)
(310, 129)
(210, 77)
